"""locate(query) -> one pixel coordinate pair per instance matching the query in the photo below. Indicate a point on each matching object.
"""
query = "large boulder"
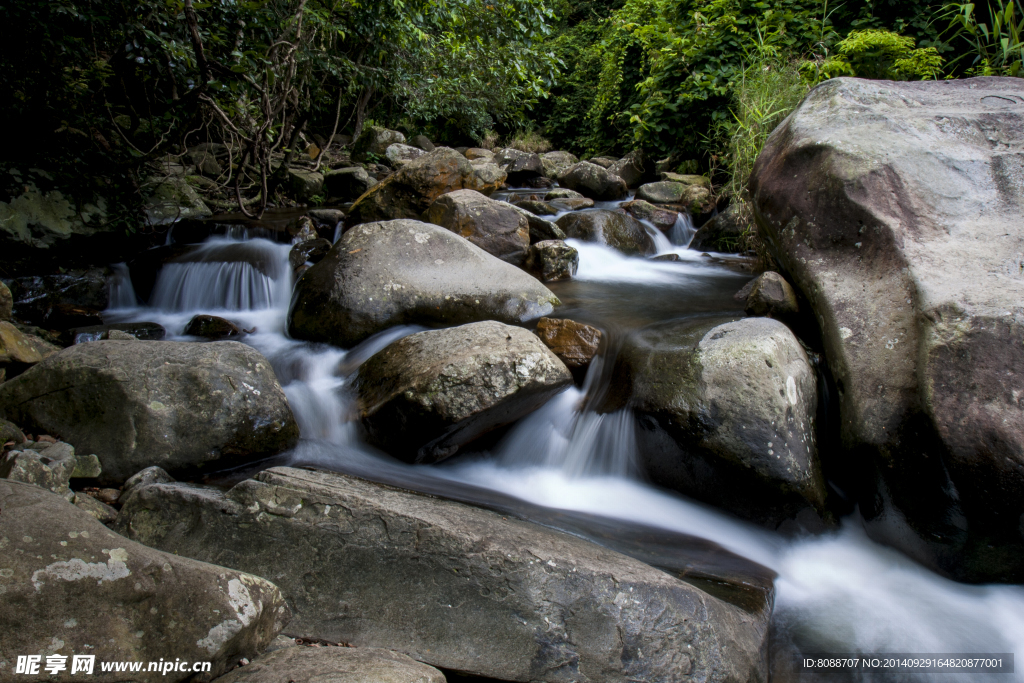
(556, 162)
(422, 142)
(374, 141)
(348, 184)
(616, 229)
(407, 272)
(334, 665)
(303, 184)
(134, 404)
(454, 586)
(399, 155)
(724, 232)
(630, 168)
(410, 191)
(661, 218)
(72, 587)
(895, 208)
(493, 226)
(489, 176)
(727, 411)
(424, 396)
(593, 181)
(519, 166)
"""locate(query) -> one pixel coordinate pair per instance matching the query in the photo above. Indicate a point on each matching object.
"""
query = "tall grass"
(529, 141)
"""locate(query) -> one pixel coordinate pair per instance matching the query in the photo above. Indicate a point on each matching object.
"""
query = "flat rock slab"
(407, 272)
(334, 665)
(71, 586)
(179, 405)
(451, 585)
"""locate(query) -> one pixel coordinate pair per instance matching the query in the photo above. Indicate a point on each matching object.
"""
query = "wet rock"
(454, 586)
(447, 387)
(211, 327)
(169, 200)
(519, 166)
(407, 272)
(630, 168)
(422, 142)
(618, 230)
(142, 331)
(668, 258)
(555, 163)
(772, 296)
(312, 251)
(334, 665)
(723, 233)
(410, 191)
(493, 226)
(303, 230)
(593, 181)
(303, 184)
(150, 475)
(45, 299)
(727, 411)
(693, 197)
(179, 405)
(399, 155)
(907, 248)
(540, 228)
(6, 302)
(574, 343)
(75, 587)
(537, 208)
(374, 142)
(475, 153)
(348, 184)
(562, 193)
(663, 219)
(103, 513)
(326, 219)
(553, 260)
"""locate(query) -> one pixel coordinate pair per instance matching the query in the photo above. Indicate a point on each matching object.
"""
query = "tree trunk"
(361, 108)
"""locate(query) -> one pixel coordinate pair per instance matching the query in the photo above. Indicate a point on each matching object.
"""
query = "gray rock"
(479, 153)
(87, 467)
(618, 230)
(493, 226)
(553, 260)
(169, 200)
(399, 155)
(447, 387)
(135, 404)
(572, 204)
(900, 222)
(772, 296)
(150, 475)
(408, 192)
(661, 218)
(303, 184)
(348, 184)
(406, 272)
(630, 168)
(693, 197)
(519, 166)
(334, 665)
(74, 587)
(593, 181)
(538, 208)
(326, 218)
(729, 412)
(18, 348)
(455, 586)
(489, 176)
(562, 193)
(687, 179)
(103, 513)
(540, 228)
(555, 163)
(49, 468)
(724, 232)
(9, 433)
(118, 335)
(280, 643)
(211, 327)
(374, 141)
(142, 331)
(205, 160)
(422, 142)
(603, 162)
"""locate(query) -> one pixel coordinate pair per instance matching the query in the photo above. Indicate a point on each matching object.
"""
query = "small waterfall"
(122, 293)
(226, 275)
(682, 231)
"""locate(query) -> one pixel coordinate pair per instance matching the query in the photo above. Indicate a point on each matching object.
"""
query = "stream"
(568, 467)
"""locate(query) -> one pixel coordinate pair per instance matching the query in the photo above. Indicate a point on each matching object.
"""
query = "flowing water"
(571, 468)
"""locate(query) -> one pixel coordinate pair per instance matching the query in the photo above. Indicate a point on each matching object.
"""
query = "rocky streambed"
(494, 417)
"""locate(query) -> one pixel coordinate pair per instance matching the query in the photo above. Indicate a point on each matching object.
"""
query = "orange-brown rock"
(574, 343)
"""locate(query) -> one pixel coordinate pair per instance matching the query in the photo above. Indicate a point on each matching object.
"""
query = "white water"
(838, 592)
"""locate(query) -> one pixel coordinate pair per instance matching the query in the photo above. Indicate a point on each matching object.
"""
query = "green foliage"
(881, 54)
(994, 47)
